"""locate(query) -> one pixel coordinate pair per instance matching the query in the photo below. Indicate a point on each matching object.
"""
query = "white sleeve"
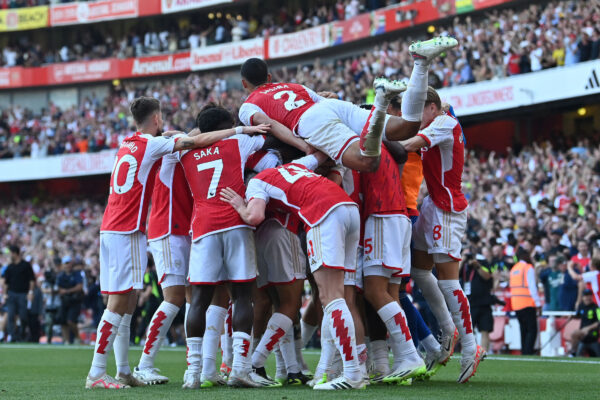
(439, 131)
(256, 190)
(269, 160)
(178, 154)
(533, 287)
(588, 277)
(313, 95)
(159, 146)
(247, 110)
(249, 144)
(309, 162)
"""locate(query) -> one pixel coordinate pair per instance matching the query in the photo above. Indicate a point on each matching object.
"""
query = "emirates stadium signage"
(155, 65)
(524, 90)
(171, 6)
(226, 54)
(26, 169)
(292, 44)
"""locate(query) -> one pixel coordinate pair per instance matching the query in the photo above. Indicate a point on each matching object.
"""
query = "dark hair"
(396, 103)
(255, 71)
(143, 107)
(14, 249)
(213, 117)
(433, 97)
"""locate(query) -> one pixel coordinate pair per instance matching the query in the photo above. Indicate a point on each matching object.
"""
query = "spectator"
(51, 301)
(18, 283)
(479, 274)
(586, 337)
(525, 300)
(35, 310)
(551, 277)
(70, 290)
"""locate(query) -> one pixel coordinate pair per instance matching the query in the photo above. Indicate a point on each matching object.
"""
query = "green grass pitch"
(51, 372)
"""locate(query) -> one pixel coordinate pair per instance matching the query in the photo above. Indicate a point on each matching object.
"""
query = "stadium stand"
(541, 193)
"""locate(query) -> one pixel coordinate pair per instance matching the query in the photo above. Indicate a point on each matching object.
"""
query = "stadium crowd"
(540, 197)
(207, 28)
(504, 43)
(498, 44)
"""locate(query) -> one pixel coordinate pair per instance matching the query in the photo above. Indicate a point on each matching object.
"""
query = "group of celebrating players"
(311, 187)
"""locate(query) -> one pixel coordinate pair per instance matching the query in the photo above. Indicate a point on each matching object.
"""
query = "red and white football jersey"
(172, 201)
(258, 162)
(131, 181)
(282, 102)
(382, 190)
(211, 169)
(296, 189)
(592, 282)
(443, 162)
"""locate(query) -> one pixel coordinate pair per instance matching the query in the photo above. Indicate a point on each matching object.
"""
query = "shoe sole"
(413, 50)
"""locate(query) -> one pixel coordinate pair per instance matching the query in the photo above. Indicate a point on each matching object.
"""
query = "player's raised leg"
(413, 99)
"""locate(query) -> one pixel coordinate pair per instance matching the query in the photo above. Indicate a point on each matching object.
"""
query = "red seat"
(497, 335)
(567, 332)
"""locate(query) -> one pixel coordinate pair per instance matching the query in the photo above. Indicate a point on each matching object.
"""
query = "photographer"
(478, 275)
(70, 290)
(51, 300)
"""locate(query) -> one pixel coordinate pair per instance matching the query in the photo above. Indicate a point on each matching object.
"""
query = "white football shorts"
(123, 262)
(333, 242)
(387, 247)
(439, 232)
(356, 278)
(172, 257)
(332, 126)
(279, 255)
(227, 256)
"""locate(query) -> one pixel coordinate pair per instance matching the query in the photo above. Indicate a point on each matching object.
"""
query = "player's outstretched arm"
(414, 143)
(282, 132)
(252, 213)
(206, 139)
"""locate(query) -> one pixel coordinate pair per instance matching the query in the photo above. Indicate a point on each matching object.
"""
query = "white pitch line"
(311, 352)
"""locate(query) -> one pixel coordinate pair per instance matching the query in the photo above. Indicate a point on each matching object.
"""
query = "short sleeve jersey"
(592, 282)
(282, 102)
(132, 180)
(296, 189)
(382, 190)
(209, 170)
(172, 201)
(443, 162)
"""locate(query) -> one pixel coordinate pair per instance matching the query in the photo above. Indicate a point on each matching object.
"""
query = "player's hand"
(228, 195)
(257, 130)
(328, 95)
(445, 107)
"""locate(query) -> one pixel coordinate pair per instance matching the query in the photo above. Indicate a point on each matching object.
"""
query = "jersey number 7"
(217, 165)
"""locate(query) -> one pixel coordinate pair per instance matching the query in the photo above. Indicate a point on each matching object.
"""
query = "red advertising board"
(84, 71)
(351, 30)
(92, 11)
(395, 18)
(226, 54)
(154, 65)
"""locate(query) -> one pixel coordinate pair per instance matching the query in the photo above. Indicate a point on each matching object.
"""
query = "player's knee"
(372, 163)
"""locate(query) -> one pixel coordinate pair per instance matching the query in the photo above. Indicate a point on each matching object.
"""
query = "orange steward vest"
(520, 297)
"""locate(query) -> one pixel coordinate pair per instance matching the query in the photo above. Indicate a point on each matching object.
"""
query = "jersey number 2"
(217, 165)
(291, 103)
